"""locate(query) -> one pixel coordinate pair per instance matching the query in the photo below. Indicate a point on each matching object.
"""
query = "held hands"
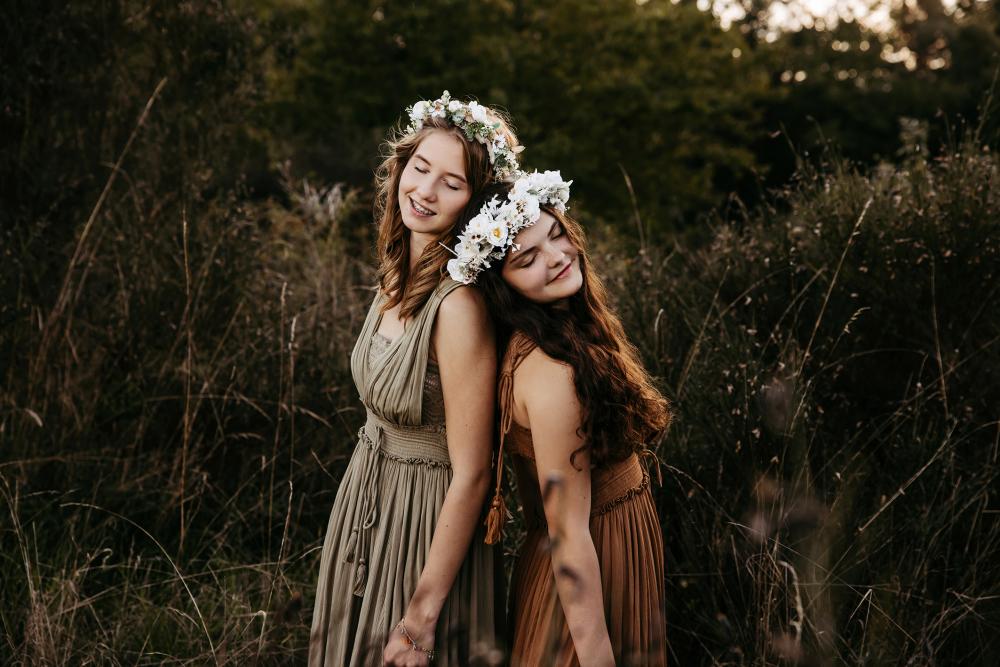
(409, 646)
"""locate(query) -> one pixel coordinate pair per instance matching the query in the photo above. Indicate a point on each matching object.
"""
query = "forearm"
(578, 582)
(456, 525)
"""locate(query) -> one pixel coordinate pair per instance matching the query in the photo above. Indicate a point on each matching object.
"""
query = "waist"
(408, 444)
(613, 484)
(610, 487)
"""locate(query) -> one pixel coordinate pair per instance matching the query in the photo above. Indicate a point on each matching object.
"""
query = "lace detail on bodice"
(432, 410)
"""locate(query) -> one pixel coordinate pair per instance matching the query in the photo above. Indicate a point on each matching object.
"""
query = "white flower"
(418, 111)
(531, 210)
(521, 187)
(454, 106)
(478, 112)
(456, 272)
(497, 233)
(477, 227)
(467, 248)
(472, 248)
(549, 179)
(507, 212)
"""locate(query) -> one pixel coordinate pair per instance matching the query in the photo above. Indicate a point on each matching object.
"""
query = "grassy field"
(178, 411)
(176, 406)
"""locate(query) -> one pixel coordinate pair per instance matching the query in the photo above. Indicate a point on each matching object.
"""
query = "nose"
(426, 189)
(556, 255)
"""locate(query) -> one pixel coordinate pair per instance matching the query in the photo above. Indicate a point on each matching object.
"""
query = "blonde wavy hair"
(411, 289)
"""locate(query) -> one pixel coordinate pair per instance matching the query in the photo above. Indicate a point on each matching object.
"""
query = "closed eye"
(525, 263)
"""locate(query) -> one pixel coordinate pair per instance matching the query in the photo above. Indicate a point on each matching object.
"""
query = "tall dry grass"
(167, 428)
(828, 489)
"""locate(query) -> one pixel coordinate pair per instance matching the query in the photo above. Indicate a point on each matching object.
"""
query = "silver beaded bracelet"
(414, 646)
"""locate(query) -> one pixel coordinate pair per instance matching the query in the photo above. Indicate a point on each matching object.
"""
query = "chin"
(572, 286)
(417, 226)
(560, 290)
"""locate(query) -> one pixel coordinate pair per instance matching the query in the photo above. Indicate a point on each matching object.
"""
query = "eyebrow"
(518, 255)
(447, 173)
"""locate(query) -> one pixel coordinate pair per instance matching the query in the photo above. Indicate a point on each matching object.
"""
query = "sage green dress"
(387, 507)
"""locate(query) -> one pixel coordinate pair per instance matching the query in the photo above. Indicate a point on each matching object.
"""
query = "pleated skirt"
(629, 548)
(376, 546)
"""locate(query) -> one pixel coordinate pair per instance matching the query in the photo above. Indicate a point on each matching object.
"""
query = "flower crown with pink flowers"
(476, 123)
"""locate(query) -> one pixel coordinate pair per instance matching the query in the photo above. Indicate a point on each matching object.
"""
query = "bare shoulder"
(463, 305)
(544, 380)
(462, 320)
(544, 386)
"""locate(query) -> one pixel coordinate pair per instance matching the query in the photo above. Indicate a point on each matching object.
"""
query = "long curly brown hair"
(622, 411)
(409, 288)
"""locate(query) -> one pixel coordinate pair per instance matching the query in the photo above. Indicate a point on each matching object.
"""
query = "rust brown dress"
(629, 544)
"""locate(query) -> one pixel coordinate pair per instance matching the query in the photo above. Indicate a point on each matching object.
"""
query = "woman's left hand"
(399, 652)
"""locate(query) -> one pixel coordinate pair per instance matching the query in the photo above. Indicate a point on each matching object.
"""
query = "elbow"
(474, 483)
(569, 536)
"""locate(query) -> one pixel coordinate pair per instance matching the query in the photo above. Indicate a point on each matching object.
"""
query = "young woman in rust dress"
(578, 412)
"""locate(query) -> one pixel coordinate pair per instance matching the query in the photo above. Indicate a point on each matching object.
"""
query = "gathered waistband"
(616, 483)
(427, 445)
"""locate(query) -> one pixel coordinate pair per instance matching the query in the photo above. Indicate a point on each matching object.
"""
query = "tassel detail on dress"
(649, 457)
(360, 577)
(518, 349)
(352, 546)
(495, 519)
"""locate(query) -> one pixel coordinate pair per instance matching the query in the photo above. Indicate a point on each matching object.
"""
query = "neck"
(418, 242)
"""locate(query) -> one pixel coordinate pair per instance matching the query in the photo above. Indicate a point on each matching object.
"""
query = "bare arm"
(546, 390)
(464, 344)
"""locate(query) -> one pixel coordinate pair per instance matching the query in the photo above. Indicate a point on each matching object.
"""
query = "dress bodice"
(432, 411)
(392, 375)
(611, 483)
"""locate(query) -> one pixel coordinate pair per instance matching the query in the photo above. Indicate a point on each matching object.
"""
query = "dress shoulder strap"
(518, 349)
(424, 320)
(416, 348)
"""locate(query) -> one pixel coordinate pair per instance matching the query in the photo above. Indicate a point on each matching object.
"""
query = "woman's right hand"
(400, 652)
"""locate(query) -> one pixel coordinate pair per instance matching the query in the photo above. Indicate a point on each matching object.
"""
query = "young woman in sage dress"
(578, 412)
(398, 581)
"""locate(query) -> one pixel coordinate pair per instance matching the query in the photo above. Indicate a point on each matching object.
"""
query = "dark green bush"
(834, 362)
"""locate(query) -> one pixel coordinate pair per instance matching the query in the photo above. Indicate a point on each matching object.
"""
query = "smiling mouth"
(563, 273)
(420, 210)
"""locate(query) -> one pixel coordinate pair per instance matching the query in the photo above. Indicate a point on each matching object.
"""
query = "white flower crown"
(490, 234)
(475, 121)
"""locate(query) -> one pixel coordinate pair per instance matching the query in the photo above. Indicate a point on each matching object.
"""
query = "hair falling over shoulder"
(411, 289)
(622, 411)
